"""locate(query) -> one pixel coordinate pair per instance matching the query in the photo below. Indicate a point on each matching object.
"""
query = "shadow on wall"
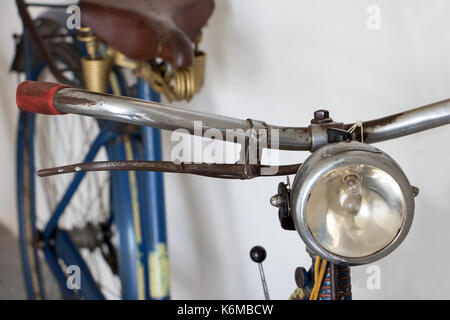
(8, 130)
(11, 282)
(207, 250)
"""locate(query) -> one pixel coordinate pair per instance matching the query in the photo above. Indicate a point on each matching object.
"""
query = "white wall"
(279, 61)
(10, 24)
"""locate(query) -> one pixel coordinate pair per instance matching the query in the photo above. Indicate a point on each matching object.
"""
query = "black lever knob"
(258, 254)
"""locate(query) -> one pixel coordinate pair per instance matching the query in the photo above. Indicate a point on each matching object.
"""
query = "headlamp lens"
(355, 210)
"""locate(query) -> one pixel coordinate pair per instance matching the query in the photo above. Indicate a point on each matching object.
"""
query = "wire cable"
(318, 277)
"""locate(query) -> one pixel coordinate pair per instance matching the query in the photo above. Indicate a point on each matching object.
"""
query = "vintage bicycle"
(350, 202)
(111, 226)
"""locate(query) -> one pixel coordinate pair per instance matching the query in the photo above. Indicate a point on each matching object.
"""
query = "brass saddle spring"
(180, 83)
(96, 66)
(188, 81)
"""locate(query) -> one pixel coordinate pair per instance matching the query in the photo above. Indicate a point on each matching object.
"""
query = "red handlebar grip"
(37, 97)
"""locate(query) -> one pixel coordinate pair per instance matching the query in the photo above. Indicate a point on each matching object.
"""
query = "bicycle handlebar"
(47, 98)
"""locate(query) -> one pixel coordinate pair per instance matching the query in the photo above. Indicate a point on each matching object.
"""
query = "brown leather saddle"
(146, 29)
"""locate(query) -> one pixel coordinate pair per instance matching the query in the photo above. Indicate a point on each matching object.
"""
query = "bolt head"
(321, 114)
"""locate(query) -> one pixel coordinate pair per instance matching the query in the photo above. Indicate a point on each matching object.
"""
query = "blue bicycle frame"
(137, 205)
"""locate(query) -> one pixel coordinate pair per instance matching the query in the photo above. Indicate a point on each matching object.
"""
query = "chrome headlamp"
(351, 203)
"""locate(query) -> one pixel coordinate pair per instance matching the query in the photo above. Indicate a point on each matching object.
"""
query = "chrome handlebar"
(54, 99)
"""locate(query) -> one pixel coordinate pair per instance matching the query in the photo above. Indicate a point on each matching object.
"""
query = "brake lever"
(221, 171)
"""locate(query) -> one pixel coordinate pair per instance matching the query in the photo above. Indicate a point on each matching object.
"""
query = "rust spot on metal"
(74, 101)
(384, 121)
(369, 125)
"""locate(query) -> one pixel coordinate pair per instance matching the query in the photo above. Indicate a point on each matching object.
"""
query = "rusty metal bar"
(223, 171)
(333, 281)
(405, 123)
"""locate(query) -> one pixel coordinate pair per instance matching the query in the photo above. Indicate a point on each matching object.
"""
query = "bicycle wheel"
(86, 226)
